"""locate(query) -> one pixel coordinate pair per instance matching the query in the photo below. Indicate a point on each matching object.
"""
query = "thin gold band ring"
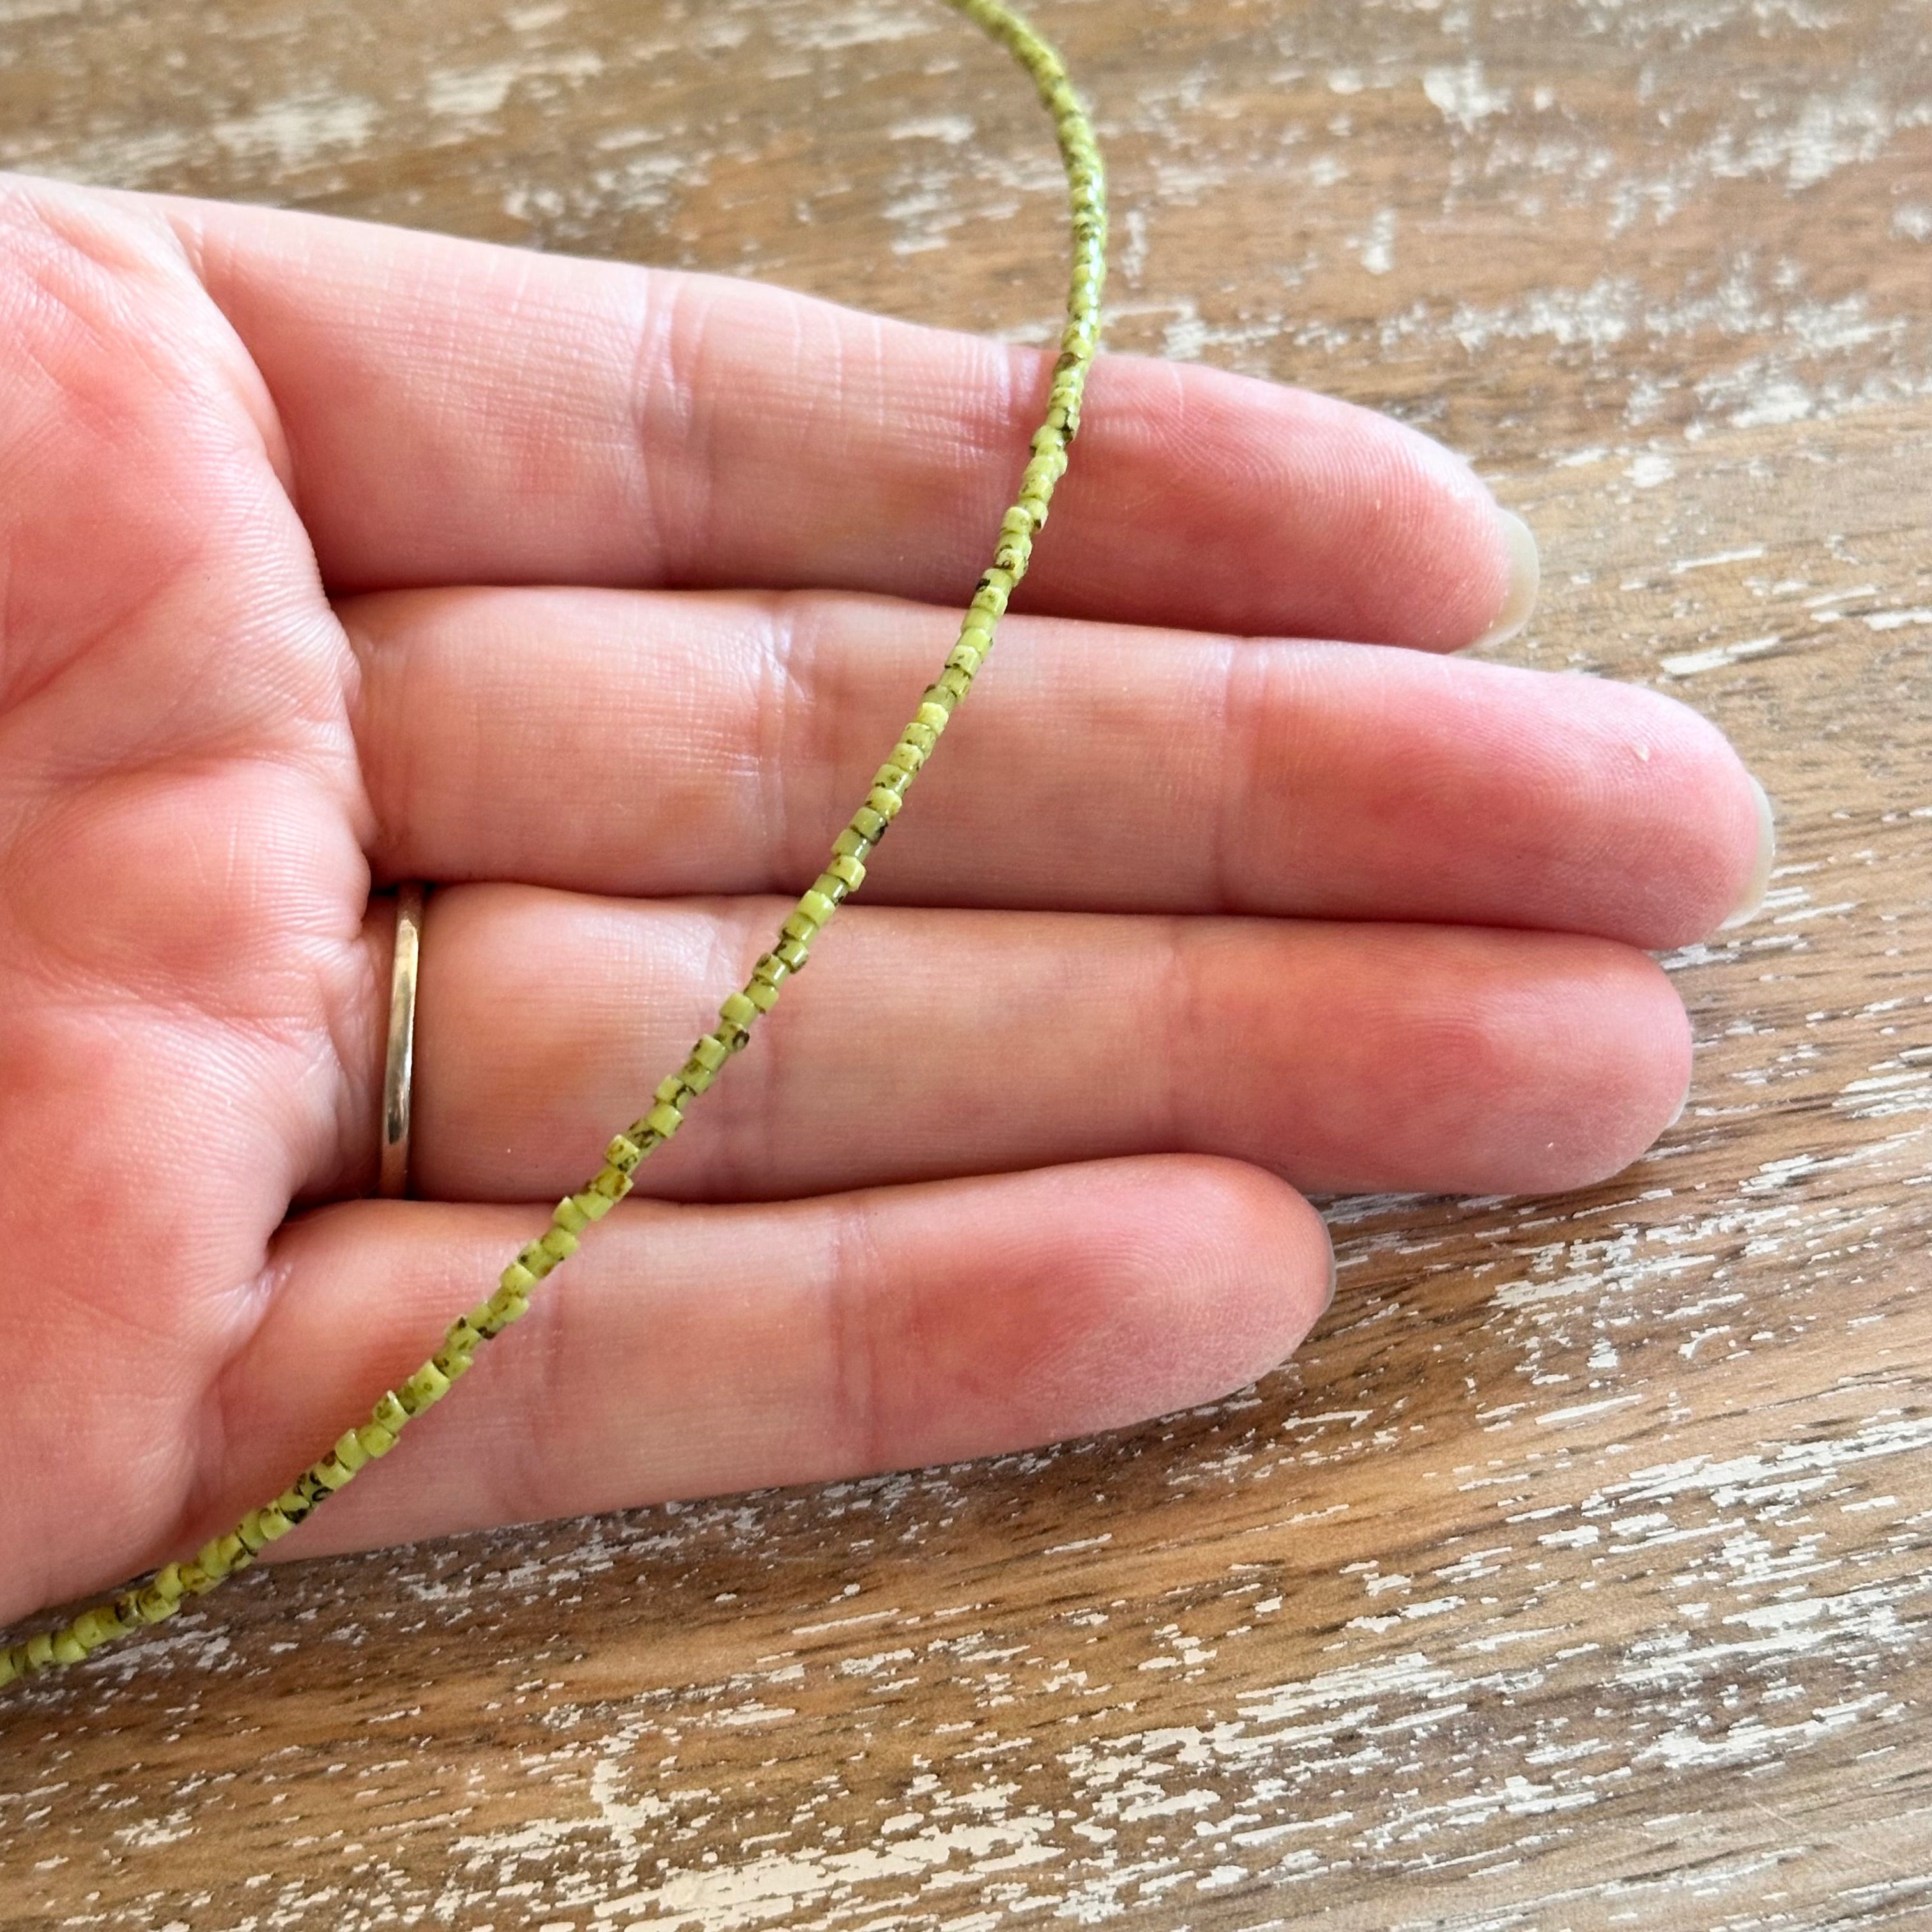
(399, 1064)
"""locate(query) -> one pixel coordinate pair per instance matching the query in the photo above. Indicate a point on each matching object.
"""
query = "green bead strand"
(160, 1595)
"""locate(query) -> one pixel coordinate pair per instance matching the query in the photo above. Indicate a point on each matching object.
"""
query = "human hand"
(596, 594)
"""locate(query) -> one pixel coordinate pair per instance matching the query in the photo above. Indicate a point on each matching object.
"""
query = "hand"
(595, 595)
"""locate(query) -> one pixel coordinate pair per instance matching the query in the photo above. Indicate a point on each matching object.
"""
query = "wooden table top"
(1574, 1575)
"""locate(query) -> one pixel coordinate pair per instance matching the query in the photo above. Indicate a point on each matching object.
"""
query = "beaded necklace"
(159, 1596)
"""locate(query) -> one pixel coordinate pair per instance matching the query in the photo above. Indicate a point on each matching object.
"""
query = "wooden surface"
(1575, 1576)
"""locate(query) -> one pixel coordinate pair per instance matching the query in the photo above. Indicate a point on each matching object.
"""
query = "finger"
(928, 1043)
(687, 1352)
(662, 742)
(459, 412)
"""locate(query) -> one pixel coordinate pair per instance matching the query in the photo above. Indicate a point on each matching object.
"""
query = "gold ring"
(400, 1064)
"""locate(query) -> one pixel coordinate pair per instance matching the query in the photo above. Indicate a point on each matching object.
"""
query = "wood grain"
(1574, 1576)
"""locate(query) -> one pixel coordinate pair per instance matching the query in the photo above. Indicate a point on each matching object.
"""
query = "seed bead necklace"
(160, 1595)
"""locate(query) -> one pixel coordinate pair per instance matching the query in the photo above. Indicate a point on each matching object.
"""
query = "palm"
(210, 740)
(183, 970)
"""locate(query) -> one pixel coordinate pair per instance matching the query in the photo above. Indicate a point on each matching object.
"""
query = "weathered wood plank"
(1575, 1574)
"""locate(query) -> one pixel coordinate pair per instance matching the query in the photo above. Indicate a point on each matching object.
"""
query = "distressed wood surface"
(1575, 1574)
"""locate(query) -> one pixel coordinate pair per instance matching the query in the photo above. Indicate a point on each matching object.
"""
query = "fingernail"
(1760, 875)
(1525, 575)
(1330, 1302)
(1682, 1104)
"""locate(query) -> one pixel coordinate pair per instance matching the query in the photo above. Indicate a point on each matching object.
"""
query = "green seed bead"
(220, 1554)
(460, 1339)
(500, 1311)
(92, 1628)
(272, 1523)
(592, 1205)
(426, 1387)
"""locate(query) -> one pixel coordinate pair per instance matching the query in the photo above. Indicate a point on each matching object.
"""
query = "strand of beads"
(224, 1556)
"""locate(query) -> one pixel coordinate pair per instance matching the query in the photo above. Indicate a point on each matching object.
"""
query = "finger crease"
(858, 1273)
(1188, 1023)
(785, 701)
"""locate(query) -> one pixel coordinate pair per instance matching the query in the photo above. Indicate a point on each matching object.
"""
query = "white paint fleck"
(299, 129)
(1828, 134)
(468, 92)
(1689, 664)
(1377, 248)
(1580, 1411)
(1781, 400)
(952, 129)
(1462, 96)
(150, 1835)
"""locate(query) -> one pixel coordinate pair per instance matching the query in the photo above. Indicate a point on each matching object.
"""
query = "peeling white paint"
(299, 129)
